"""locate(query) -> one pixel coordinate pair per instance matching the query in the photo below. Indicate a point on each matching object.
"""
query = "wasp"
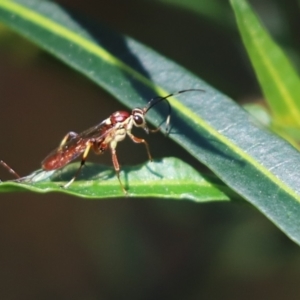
(103, 136)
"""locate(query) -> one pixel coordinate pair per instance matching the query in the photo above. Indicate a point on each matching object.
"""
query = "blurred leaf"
(259, 112)
(255, 163)
(23, 51)
(216, 10)
(167, 178)
(277, 77)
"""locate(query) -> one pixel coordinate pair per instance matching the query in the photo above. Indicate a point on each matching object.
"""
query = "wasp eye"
(138, 117)
(138, 120)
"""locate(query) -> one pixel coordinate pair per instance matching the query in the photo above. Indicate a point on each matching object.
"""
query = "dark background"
(59, 247)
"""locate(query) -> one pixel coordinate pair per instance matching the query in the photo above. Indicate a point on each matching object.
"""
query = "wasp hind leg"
(84, 156)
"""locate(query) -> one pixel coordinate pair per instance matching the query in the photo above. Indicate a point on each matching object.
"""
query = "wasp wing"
(69, 151)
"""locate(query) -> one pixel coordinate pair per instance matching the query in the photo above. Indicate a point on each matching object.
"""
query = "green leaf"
(278, 79)
(167, 178)
(252, 161)
(259, 112)
(216, 10)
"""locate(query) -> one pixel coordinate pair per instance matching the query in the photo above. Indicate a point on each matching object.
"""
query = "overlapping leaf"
(278, 79)
(257, 164)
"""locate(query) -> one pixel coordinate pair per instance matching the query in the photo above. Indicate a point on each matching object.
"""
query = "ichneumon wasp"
(103, 136)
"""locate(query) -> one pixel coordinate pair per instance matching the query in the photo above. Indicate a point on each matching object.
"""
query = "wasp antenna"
(158, 99)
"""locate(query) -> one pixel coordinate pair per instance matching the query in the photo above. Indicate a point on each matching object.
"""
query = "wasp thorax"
(119, 117)
(138, 117)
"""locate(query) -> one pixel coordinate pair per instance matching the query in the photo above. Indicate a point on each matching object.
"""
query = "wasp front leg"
(138, 141)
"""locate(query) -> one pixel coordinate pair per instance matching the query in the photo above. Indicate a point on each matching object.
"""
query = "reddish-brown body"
(106, 134)
(61, 157)
(75, 146)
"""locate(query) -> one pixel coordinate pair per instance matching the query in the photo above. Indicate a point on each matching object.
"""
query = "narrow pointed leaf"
(255, 163)
(277, 77)
(168, 178)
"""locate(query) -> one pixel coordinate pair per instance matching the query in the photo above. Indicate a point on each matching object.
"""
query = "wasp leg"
(10, 170)
(99, 148)
(84, 156)
(167, 129)
(138, 141)
(154, 129)
(70, 135)
(117, 167)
